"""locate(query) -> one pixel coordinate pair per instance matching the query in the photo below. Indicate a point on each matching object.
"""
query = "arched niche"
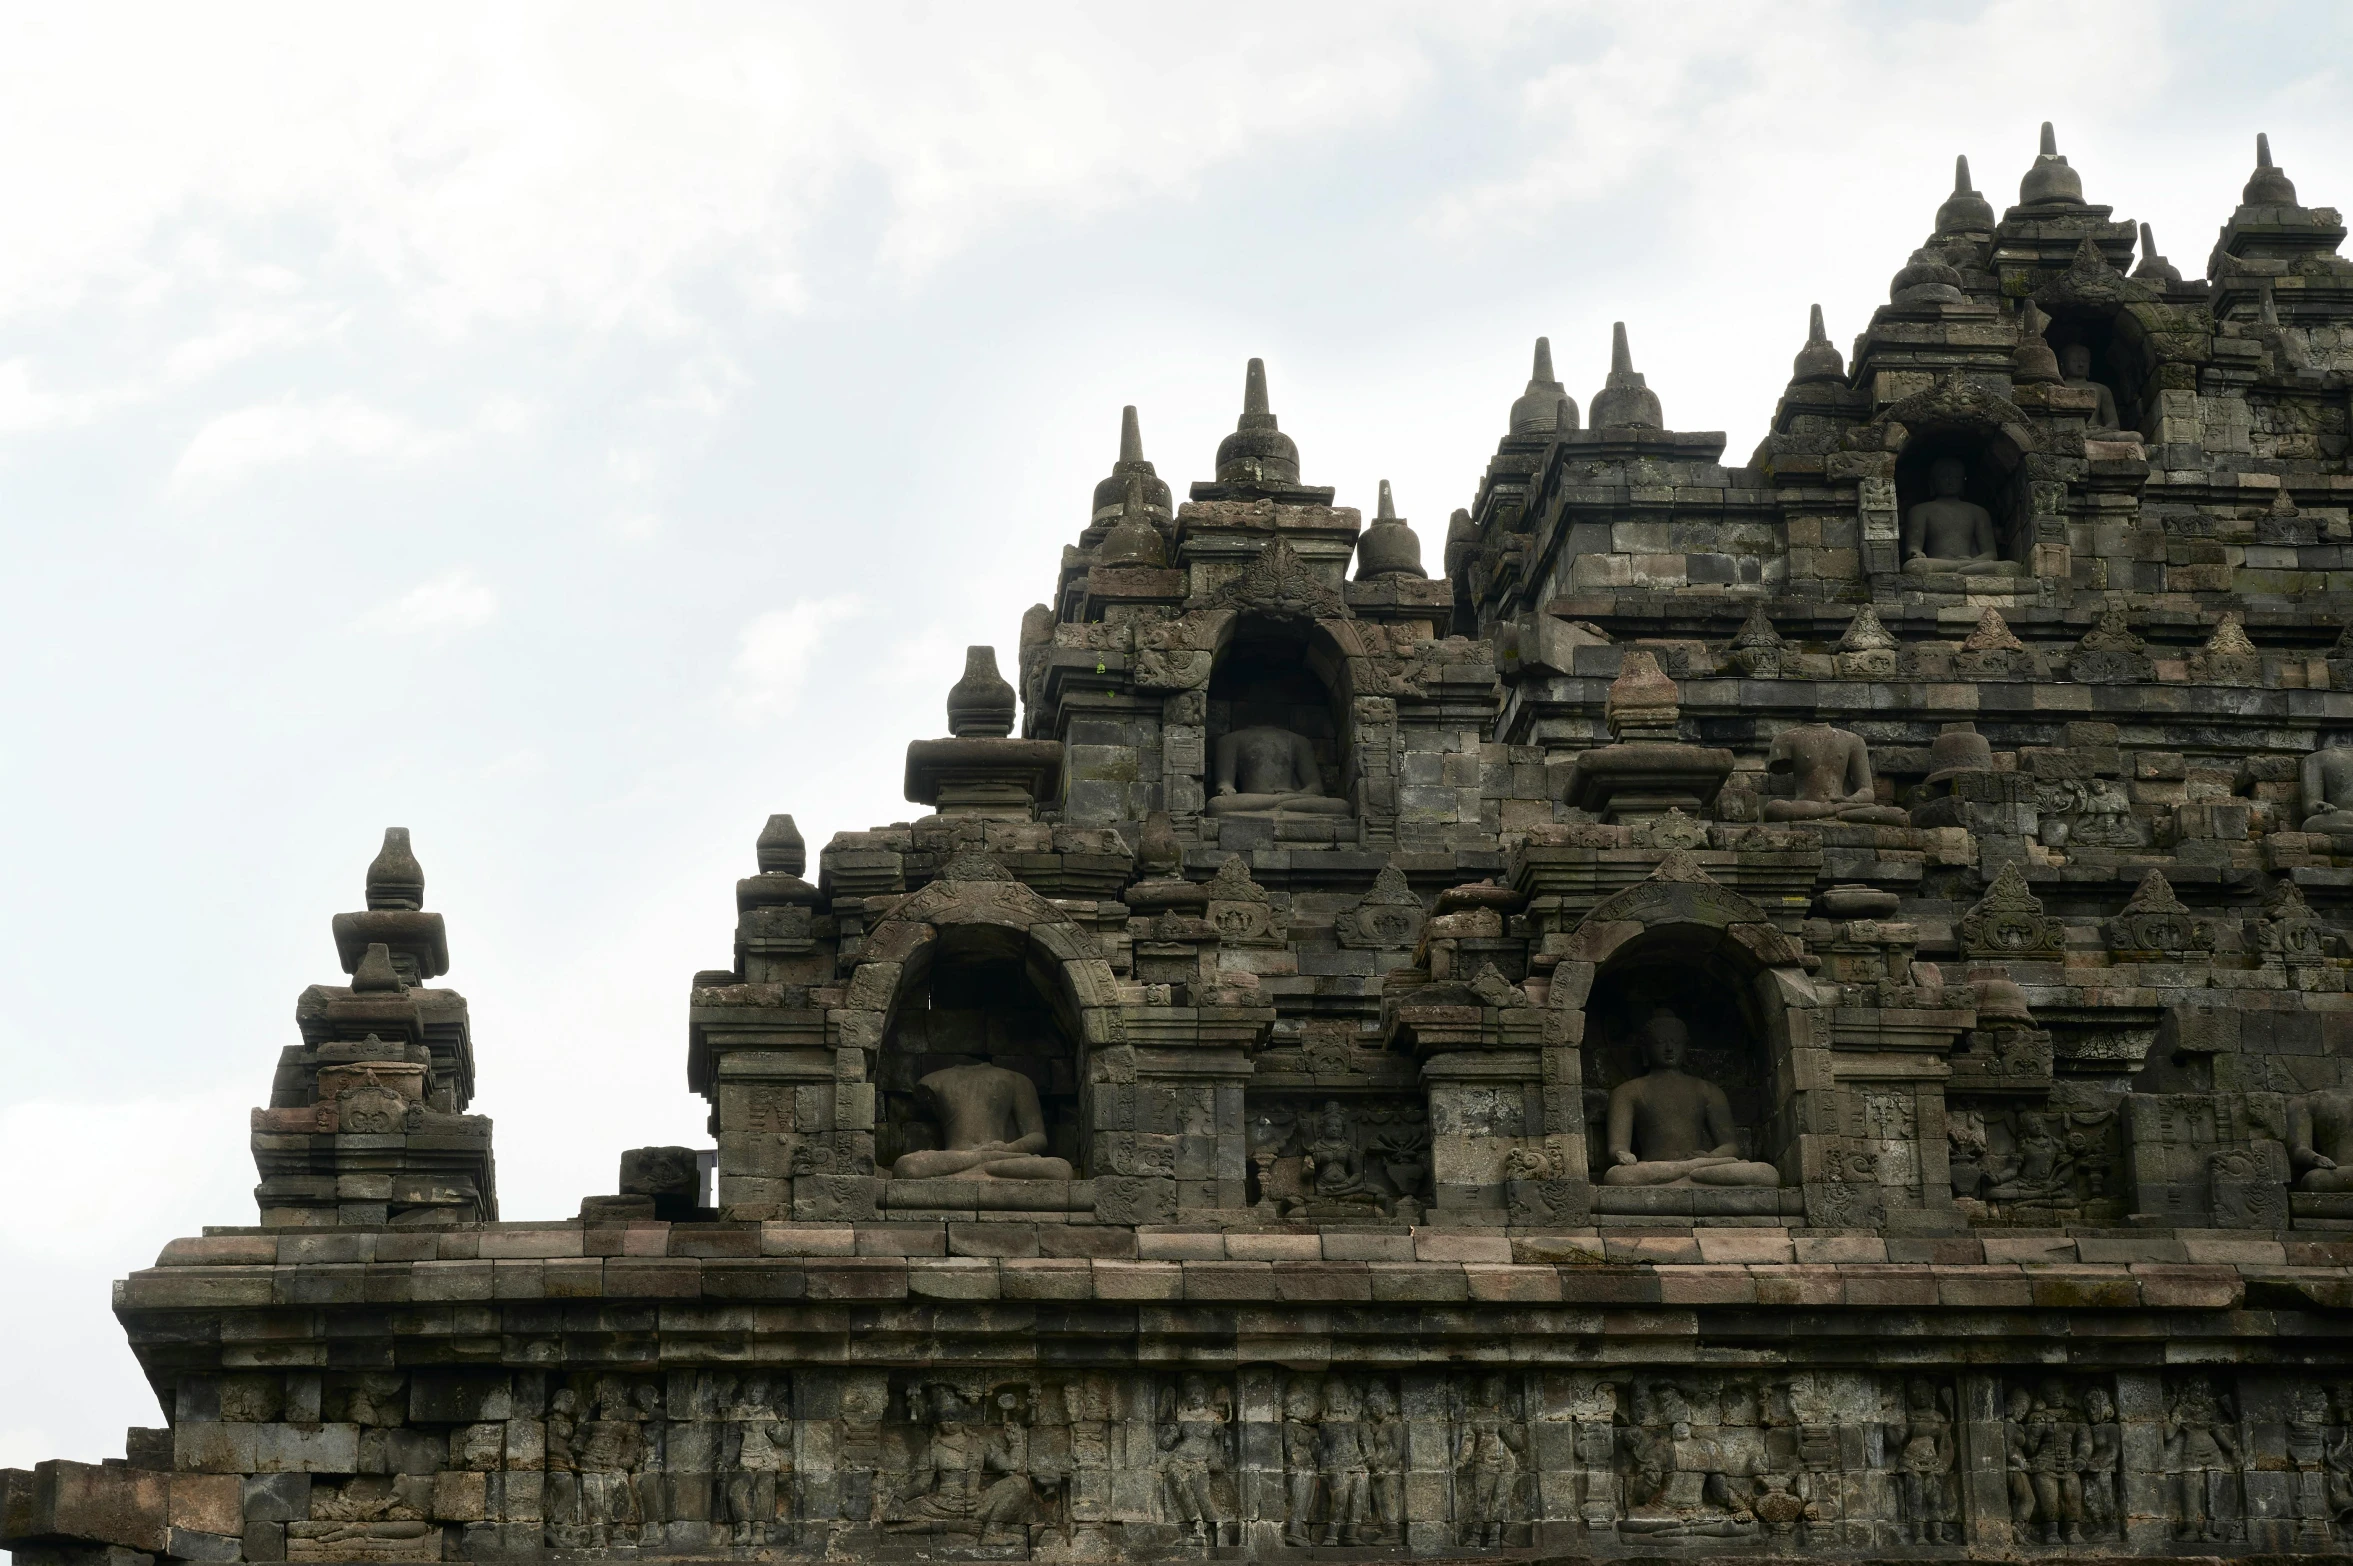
(1716, 959)
(1997, 478)
(2115, 339)
(978, 994)
(1283, 673)
(1683, 969)
(976, 941)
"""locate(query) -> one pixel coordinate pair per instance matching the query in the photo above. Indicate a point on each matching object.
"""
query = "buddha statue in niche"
(2075, 367)
(2328, 791)
(2320, 1140)
(992, 1123)
(1263, 770)
(1830, 773)
(1668, 1127)
(1947, 533)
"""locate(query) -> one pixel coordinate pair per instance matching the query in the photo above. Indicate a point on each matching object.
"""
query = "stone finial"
(2153, 267)
(2032, 362)
(2268, 186)
(1462, 536)
(1133, 540)
(1643, 702)
(375, 971)
(1233, 883)
(1130, 471)
(780, 849)
(1258, 452)
(2228, 658)
(395, 879)
(1926, 279)
(1819, 359)
(1388, 547)
(1958, 748)
(2050, 180)
(980, 705)
(1157, 850)
(1964, 211)
(1625, 402)
(1542, 408)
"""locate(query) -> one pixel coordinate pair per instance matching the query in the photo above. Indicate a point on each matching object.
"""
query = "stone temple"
(1791, 1008)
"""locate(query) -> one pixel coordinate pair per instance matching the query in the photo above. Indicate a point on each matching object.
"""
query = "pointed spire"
(1625, 402)
(2267, 186)
(1258, 454)
(1133, 540)
(1389, 547)
(1539, 410)
(2050, 180)
(2153, 267)
(395, 879)
(1964, 211)
(1111, 493)
(2032, 362)
(1818, 360)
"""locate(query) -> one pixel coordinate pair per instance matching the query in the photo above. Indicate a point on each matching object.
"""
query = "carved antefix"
(1279, 583)
(2009, 922)
(2289, 931)
(1389, 918)
(2154, 923)
(2110, 654)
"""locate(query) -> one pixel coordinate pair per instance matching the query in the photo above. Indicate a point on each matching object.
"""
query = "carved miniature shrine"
(1786, 1008)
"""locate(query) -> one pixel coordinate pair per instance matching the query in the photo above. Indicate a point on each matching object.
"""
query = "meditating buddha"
(1668, 1127)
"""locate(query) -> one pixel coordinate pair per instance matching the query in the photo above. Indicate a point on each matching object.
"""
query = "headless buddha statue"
(1947, 533)
(2320, 1140)
(1668, 1127)
(1830, 773)
(1263, 770)
(992, 1123)
(2328, 791)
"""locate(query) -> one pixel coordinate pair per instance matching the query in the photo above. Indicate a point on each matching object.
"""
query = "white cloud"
(234, 446)
(453, 601)
(773, 657)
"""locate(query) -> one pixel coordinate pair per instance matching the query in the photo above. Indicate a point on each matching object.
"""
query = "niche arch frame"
(975, 904)
(1682, 912)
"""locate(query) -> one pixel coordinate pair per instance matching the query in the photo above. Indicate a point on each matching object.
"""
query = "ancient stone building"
(1796, 1007)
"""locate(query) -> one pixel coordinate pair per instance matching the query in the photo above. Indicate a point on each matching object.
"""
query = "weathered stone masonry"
(1797, 1008)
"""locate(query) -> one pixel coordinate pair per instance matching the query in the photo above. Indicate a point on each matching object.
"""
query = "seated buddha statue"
(1263, 770)
(2075, 366)
(993, 1126)
(1830, 774)
(2328, 791)
(2320, 1140)
(1947, 533)
(1668, 1127)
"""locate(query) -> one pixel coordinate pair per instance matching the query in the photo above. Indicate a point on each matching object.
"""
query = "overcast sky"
(575, 434)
